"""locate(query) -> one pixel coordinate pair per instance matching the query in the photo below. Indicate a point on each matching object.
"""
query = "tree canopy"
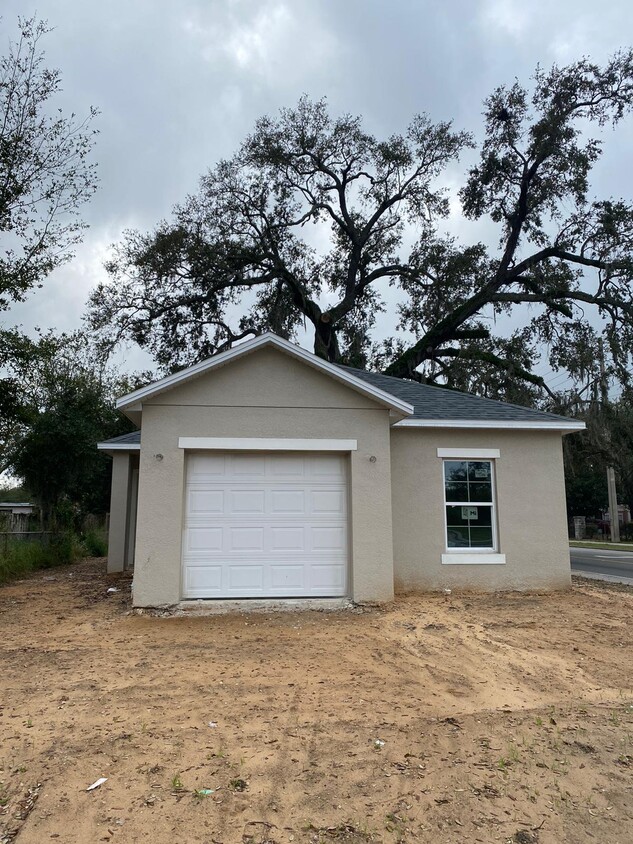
(45, 177)
(45, 170)
(314, 219)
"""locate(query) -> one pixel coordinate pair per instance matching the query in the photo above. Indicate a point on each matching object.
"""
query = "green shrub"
(95, 543)
(62, 549)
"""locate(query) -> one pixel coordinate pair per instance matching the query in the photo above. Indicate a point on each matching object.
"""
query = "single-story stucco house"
(266, 472)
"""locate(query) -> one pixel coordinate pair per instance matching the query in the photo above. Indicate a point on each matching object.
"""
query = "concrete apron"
(226, 607)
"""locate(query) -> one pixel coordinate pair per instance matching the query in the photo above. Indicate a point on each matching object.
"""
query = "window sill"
(473, 559)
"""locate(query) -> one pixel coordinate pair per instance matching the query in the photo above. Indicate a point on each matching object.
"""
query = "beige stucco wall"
(531, 516)
(265, 378)
(264, 394)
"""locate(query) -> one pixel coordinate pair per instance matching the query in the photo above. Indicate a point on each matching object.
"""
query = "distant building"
(624, 515)
(20, 509)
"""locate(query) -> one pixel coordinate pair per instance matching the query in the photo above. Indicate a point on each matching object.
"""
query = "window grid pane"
(469, 503)
(467, 480)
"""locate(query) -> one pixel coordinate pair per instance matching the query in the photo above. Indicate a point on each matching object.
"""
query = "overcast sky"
(179, 84)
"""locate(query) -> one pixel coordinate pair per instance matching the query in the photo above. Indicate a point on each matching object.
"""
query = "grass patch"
(22, 556)
(610, 546)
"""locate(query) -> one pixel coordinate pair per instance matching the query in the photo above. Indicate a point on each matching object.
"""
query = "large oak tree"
(311, 223)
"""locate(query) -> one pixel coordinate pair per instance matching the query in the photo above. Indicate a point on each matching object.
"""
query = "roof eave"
(112, 447)
(564, 426)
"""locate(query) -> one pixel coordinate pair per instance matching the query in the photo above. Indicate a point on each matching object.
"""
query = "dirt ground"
(502, 718)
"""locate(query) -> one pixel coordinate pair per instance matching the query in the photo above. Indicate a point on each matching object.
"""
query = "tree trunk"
(325, 340)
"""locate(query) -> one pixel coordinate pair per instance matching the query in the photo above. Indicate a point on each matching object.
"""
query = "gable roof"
(416, 405)
(339, 373)
(440, 407)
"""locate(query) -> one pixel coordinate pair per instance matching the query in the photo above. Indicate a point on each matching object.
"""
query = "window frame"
(477, 550)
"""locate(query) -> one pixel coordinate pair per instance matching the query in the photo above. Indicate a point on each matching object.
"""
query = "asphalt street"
(603, 564)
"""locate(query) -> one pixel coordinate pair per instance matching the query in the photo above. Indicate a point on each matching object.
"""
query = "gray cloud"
(180, 84)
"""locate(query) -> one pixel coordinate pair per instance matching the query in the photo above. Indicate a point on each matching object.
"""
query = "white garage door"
(265, 525)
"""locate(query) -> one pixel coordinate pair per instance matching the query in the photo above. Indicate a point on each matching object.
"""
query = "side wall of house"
(122, 510)
(265, 394)
(531, 517)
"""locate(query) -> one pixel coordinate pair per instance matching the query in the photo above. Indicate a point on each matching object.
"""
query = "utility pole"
(613, 505)
(613, 494)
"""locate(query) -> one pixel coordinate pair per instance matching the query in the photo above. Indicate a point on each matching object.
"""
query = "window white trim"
(478, 554)
(471, 558)
(265, 444)
(470, 453)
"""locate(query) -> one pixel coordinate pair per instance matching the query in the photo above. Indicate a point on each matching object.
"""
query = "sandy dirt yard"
(464, 719)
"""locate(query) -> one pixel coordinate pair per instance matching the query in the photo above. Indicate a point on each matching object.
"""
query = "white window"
(469, 505)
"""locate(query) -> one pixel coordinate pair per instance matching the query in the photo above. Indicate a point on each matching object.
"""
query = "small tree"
(243, 254)
(67, 407)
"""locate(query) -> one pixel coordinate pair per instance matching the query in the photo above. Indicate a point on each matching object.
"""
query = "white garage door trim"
(264, 444)
(265, 525)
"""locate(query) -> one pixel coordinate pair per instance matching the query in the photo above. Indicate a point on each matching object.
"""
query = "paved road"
(603, 564)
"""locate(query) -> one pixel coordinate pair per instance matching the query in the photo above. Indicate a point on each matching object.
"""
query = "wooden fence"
(19, 522)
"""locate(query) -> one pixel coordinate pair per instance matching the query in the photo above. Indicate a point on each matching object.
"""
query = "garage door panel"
(203, 580)
(287, 539)
(202, 466)
(245, 539)
(328, 577)
(265, 525)
(283, 501)
(246, 577)
(204, 539)
(247, 501)
(325, 466)
(287, 577)
(327, 501)
(247, 465)
(286, 466)
(202, 501)
(327, 538)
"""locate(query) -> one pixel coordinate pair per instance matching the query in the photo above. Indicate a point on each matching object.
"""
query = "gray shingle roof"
(438, 403)
(134, 438)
